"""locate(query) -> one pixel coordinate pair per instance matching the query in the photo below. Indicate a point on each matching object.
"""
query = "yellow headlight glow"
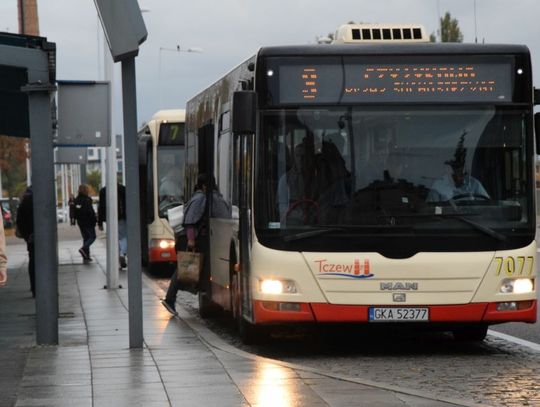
(162, 243)
(271, 287)
(523, 285)
(517, 286)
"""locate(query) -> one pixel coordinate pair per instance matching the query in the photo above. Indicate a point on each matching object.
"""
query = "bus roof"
(393, 49)
(170, 115)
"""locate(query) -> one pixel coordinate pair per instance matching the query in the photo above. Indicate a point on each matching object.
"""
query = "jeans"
(88, 234)
(122, 237)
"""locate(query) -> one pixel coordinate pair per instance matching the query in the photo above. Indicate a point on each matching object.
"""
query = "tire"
(250, 334)
(164, 270)
(207, 308)
(474, 333)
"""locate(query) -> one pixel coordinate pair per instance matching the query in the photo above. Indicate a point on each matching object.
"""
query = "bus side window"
(223, 163)
(236, 171)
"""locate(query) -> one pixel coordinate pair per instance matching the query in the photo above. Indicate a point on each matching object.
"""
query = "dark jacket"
(71, 204)
(102, 206)
(25, 216)
(84, 211)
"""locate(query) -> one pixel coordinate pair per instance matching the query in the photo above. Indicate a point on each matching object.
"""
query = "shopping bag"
(189, 265)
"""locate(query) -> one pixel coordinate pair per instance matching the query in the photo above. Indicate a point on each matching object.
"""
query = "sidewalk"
(181, 364)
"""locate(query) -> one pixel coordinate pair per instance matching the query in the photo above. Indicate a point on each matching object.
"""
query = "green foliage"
(13, 165)
(94, 180)
(450, 31)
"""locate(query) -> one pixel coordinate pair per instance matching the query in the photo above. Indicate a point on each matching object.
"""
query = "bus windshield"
(170, 172)
(392, 170)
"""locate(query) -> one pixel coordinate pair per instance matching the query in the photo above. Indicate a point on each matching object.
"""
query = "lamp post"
(178, 49)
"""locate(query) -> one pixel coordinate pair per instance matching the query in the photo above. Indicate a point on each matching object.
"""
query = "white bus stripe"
(522, 342)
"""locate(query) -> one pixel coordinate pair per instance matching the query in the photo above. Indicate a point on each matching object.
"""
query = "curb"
(214, 341)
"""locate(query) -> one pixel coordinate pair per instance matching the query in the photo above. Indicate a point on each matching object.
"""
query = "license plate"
(378, 314)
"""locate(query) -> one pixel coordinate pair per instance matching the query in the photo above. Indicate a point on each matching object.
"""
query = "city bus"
(377, 180)
(161, 170)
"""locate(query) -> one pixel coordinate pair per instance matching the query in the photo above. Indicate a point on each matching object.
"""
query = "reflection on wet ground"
(494, 372)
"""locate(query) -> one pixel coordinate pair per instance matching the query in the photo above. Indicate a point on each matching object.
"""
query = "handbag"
(189, 265)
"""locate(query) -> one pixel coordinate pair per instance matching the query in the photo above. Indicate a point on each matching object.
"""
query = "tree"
(13, 165)
(94, 181)
(449, 28)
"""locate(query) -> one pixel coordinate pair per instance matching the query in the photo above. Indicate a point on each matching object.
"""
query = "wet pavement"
(182, 363)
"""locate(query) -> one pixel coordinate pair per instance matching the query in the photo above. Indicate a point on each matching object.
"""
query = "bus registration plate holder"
(401, 314)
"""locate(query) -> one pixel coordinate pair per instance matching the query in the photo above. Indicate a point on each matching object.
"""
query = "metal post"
(63, 181)
(129, 97)
(83, 176)
(28, 170)
(112, 192)
(102, 154)
(45, 232)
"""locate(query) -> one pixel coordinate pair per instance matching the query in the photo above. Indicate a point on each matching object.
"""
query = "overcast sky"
(231, 30)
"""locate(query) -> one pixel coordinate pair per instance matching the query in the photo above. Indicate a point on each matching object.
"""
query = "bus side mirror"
(537, 131)
(244, 112)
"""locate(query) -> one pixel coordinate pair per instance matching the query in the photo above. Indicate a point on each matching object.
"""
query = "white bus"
(161, 168)
(376, 180)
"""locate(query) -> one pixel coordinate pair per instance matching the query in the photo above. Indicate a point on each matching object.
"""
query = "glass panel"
(170, 175)
(422, 168)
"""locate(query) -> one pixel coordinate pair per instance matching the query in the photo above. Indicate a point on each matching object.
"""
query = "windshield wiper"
(487, 230)
(317, 232)
(310, 233)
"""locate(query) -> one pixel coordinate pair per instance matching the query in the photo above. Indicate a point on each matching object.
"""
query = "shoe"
(83, 254)
(170, 307)
(123, 263)
(88, 260)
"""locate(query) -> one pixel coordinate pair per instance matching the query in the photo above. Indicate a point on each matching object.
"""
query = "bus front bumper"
(158, 255)
(270, 312)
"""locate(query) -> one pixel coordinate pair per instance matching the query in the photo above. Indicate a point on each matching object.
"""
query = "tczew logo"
(354, 270)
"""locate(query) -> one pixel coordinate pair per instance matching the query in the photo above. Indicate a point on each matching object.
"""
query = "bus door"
(146, 188)
(205, 149)
(243, 149)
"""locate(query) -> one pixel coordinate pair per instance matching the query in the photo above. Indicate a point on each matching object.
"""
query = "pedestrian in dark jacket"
(71, 204)
(196, 229)
(86, 219)
(25, 229)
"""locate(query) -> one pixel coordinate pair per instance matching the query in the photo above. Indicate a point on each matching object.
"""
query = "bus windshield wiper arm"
(487, 230)
(310, 233)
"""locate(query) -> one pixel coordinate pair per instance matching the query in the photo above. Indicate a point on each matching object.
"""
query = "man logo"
(399, 286)
(399, 297)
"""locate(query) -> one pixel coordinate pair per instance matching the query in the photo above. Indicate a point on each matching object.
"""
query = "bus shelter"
(27, 81)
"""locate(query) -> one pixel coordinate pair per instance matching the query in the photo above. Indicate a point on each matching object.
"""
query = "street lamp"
(178, 49)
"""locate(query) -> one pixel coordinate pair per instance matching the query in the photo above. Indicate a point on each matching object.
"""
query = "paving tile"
(94, 367)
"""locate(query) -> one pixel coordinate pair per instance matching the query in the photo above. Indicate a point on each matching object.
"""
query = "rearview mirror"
(244, 112)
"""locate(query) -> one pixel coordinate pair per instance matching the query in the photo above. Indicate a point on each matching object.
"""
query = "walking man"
(86, 219)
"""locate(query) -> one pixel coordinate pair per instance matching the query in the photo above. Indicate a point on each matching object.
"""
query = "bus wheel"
(207, 308)
(474, 333)
(249, 333)
(234, 294)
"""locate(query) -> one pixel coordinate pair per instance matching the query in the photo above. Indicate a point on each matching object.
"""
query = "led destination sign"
(399, 82)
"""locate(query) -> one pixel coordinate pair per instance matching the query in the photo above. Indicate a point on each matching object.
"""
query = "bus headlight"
(518, 286)
(163, 244)
(274, 286)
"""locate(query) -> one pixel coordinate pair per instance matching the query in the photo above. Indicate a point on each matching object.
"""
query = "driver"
(170, 189)
(457, 182)
(297, 184)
